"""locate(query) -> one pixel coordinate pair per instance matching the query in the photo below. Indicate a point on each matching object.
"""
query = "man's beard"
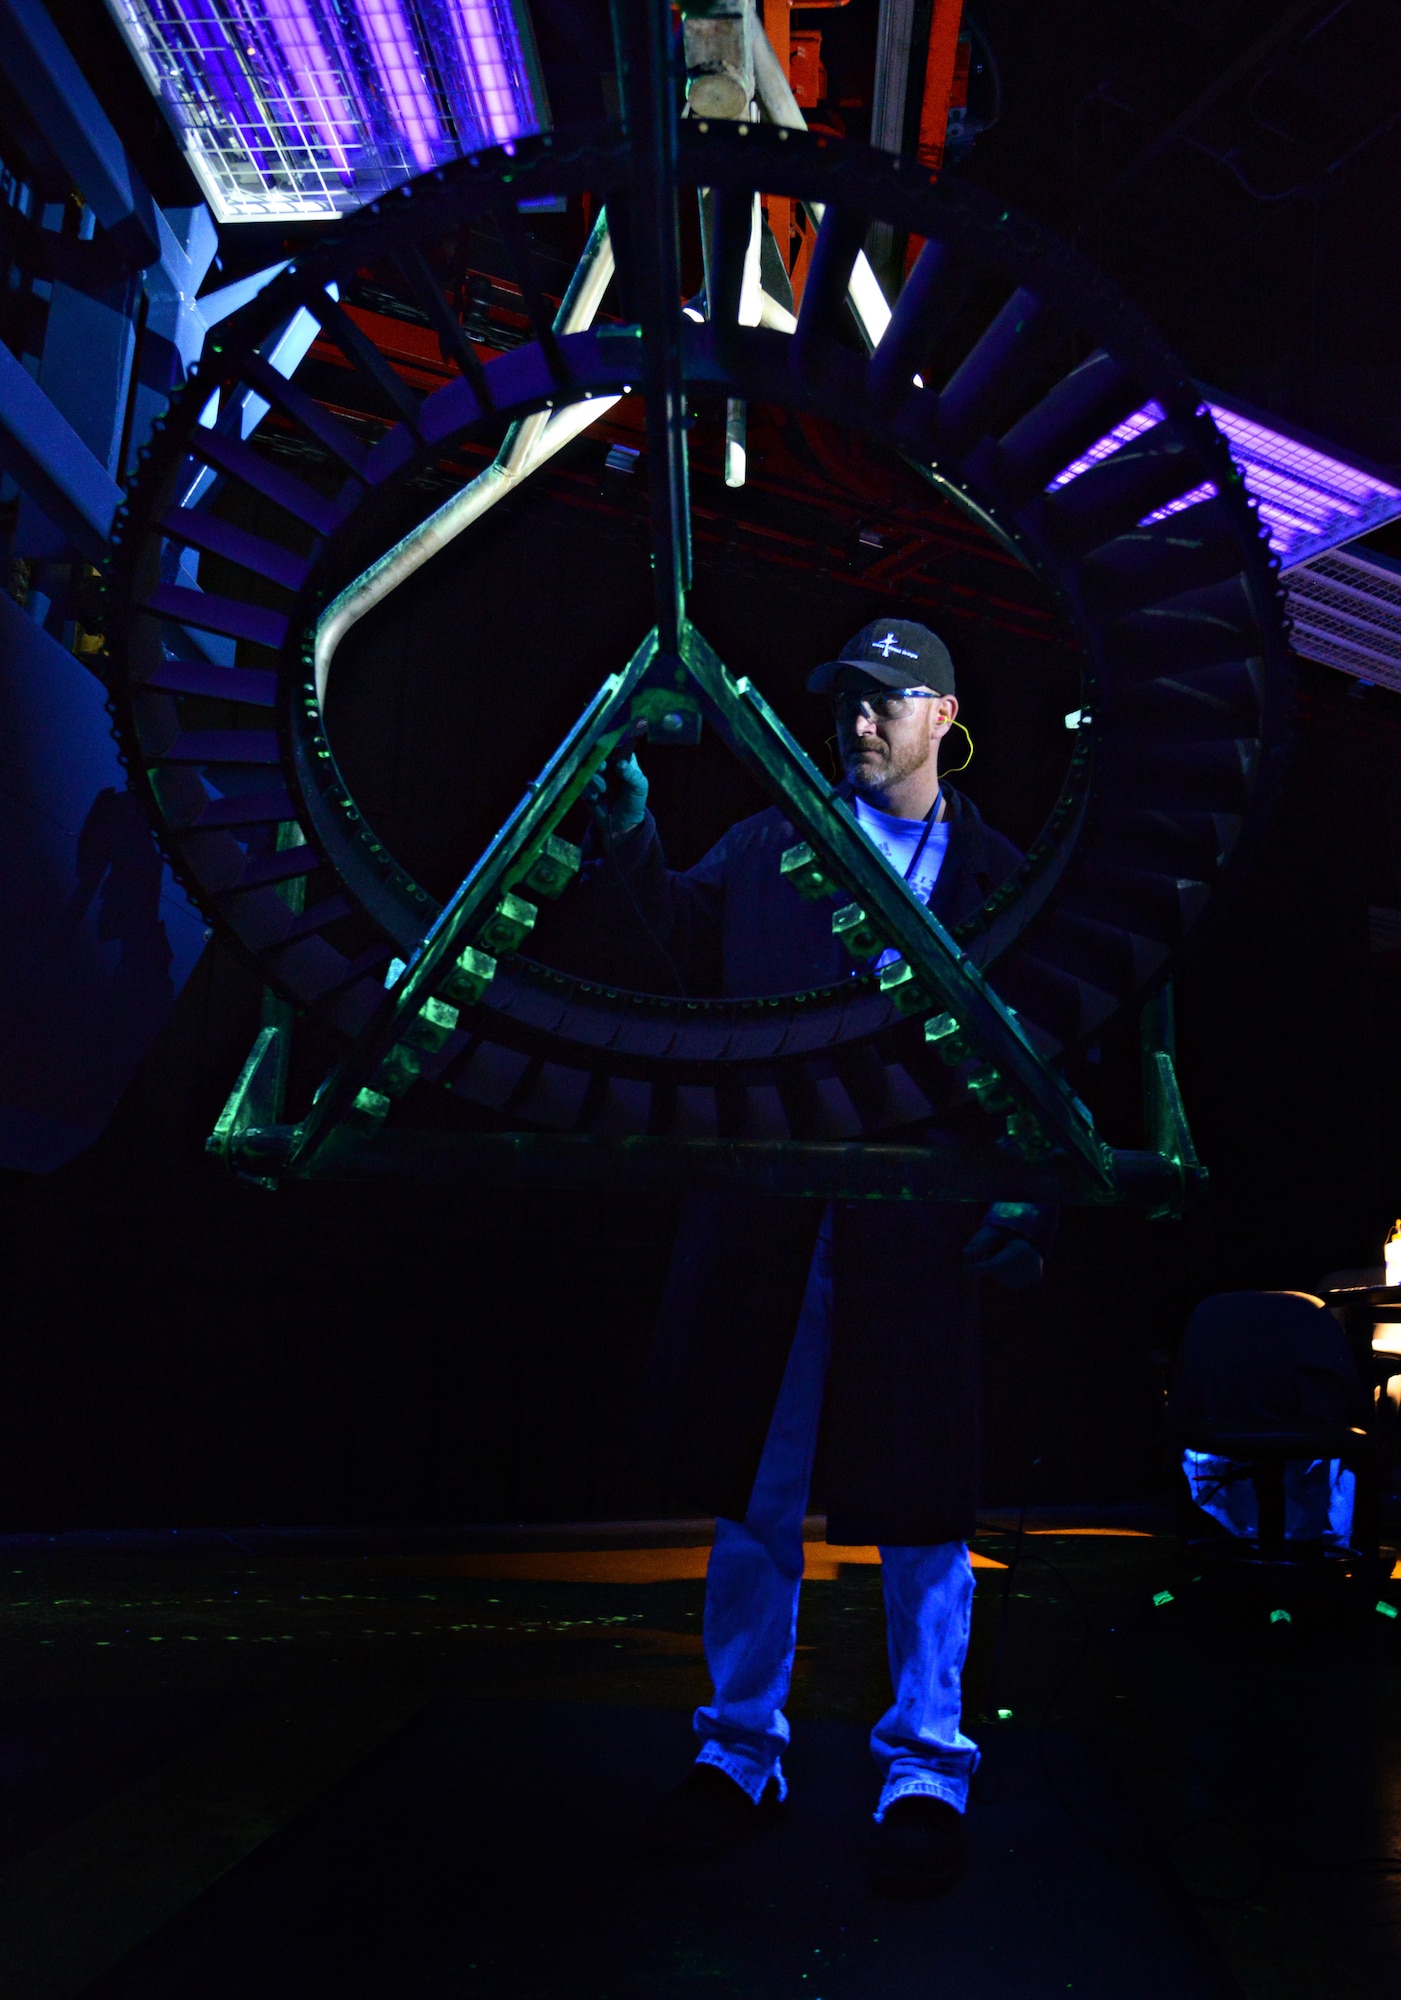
(879, 768)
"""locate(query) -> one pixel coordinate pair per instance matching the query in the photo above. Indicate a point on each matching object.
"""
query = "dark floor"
(270, 1764)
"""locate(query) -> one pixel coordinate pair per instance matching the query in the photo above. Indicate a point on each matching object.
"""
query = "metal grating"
(307, 109)
(1345, 609)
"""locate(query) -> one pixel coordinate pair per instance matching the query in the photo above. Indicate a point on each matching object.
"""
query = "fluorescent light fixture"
(401, 72)
(1309, 499)
(306, 109)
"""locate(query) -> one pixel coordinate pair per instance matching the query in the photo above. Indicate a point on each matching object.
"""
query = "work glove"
(996, 1253)
(618, 795)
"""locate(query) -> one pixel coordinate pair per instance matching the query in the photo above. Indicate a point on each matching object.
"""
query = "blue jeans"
(751, 1608)
(1318, 1497)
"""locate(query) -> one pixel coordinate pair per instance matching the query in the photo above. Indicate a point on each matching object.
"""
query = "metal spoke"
(228, 454)
(823, 309)
(304, 410)
(642, 29)
(363, 355)
(1082, 407)
(933, 293)
(522, 266)
(732, 249)
(197, 529)
(991, 375)
(423, 284)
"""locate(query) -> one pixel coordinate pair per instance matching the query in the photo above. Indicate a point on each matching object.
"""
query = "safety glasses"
(886, 706)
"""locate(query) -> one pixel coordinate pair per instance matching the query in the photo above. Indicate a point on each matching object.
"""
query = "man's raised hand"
(618, 795)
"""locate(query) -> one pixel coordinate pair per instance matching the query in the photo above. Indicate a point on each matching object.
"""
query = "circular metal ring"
(1012, 404)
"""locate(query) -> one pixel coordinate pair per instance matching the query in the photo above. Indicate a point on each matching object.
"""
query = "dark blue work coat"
(898, 1452)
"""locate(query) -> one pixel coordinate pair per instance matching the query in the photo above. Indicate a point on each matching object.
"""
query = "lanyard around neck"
(930, 820)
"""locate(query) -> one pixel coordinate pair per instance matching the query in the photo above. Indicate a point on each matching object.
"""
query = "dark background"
(182, 1348)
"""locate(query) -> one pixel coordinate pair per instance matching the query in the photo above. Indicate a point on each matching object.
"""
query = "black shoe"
(707, 1813)
(918, 1848)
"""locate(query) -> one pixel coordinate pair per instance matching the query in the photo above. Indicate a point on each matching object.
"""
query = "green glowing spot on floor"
(1162, 1597)
(1387, 1610)
(1280, 1618)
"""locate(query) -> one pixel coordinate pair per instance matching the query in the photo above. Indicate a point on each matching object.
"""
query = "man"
(881, 1296)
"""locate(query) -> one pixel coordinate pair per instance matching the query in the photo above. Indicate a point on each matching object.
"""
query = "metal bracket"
(1164, 1114)
(256, 1102)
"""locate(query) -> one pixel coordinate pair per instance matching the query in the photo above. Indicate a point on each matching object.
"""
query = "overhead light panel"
(306, 109)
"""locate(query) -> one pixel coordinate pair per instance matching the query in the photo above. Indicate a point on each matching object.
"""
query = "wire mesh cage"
(306, 109)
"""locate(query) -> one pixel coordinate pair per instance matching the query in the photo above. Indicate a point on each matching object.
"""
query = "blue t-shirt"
(899, 840)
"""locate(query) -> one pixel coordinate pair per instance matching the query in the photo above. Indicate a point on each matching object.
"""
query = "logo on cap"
(890, 644)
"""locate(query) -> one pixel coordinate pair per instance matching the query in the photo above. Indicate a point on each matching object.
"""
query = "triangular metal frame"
(966, 1021)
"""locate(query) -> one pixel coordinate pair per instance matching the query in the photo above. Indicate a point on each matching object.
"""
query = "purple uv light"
(319, 80)
(1313, 469)
(490, 53)
(1122, 434)
(1308, 500)
(401, 73)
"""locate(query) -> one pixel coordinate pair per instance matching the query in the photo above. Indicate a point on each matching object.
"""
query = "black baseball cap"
(892, 652)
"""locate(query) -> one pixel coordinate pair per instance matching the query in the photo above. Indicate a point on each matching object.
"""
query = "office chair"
(1266, 1381)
